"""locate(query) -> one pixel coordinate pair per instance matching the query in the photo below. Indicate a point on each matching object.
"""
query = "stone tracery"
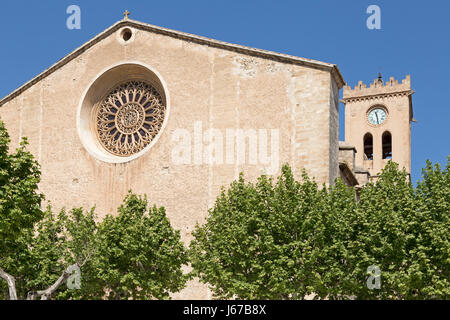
(129, 118)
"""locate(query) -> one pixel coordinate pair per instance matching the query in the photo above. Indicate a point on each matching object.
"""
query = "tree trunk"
(11, 284)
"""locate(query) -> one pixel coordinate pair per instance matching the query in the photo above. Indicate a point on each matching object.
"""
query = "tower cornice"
(378, 96)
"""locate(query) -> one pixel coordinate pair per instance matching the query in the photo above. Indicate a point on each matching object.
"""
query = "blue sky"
(414, 39)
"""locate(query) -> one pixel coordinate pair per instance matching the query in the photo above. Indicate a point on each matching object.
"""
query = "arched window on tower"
(387, 145)
(368, 146)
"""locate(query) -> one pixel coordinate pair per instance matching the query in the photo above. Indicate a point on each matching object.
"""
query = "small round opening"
(126, 34)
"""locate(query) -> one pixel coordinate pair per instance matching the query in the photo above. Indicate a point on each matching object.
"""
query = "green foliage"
(20, 206)
(334, 232)
(139, 254)
(432, 274)
(404, 231)
(257, 236)
(136, 254)
(282, 239)
(60, 241)
(289, 239)
(385, 226)
(35, 246)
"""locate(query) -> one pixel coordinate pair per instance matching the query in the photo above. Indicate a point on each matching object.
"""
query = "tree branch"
(86, 259)
(46, 294)
(11, 284)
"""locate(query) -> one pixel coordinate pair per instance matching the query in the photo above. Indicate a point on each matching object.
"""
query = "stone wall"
(214, 87)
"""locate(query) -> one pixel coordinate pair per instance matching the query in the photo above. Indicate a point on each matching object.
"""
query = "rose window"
(129, 118)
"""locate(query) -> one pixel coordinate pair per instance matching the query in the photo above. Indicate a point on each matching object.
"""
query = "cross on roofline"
(126, 14)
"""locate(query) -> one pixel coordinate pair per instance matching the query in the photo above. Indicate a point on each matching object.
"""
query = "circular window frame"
(121, 35)
(85, 125)
(377, 106)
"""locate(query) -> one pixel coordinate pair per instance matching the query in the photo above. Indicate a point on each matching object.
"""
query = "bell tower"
(378, 123)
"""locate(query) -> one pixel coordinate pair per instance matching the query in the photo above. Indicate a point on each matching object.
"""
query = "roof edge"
(332, 68)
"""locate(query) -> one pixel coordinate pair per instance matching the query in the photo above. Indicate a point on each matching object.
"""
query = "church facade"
(178, 116)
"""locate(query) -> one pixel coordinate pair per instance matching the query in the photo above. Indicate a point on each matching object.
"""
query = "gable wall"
(220, 88)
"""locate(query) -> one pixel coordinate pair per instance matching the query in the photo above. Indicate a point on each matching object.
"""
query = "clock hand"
(378, 120)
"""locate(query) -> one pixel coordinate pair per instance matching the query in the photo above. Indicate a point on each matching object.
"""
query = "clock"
(377, 116)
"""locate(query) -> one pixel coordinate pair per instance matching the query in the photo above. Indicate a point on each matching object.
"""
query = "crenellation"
(392, 82)
(378, 87)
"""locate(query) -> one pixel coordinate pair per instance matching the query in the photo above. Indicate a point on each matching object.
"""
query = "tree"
(62, 244)
(136, 254)
(339, 225)
(291, 239)
(36, 247)
(259, 241)
(383, 232)
(140, 255)
(20, 210)
(431, 277)
(402, 231)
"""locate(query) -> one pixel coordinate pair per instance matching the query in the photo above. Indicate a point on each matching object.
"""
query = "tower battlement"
(377, 87)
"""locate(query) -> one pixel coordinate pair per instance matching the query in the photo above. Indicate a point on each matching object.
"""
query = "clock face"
(377, 116)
